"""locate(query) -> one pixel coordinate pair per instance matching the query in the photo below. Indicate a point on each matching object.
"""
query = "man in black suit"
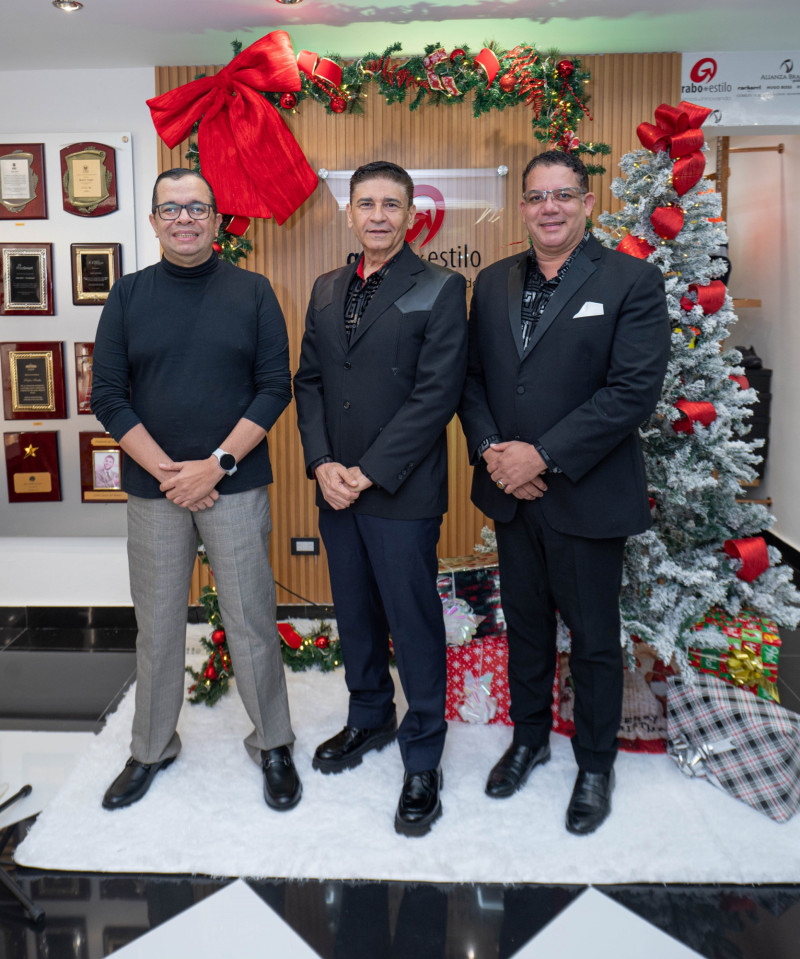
(568, 346)
(382, 365)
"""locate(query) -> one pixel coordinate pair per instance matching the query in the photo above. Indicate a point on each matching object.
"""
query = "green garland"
(552, 87)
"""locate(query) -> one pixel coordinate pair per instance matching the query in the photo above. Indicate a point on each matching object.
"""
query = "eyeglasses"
(171, 211)
(564, 195)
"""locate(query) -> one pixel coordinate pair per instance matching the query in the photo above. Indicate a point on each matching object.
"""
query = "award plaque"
(101, 469)
(89, 179)
(95, 268)
(32, 467)
(26, 280)
(33, 381)
(22, 184)
(83, 376)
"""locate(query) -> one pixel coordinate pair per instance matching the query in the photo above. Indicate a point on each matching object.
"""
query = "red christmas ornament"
(321, 642)
(288, 101)
(507, 82)
(338, 104)
(210, 672)
(218, 637)
(216, 247)
(565, 69)
(458, 52)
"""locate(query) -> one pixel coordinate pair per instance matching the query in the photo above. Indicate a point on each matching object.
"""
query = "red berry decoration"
(216, 247)
(288, 101)
(321, 642)
(458, 52)
(338, 104)
(507, 82)
(218, 637)
(210, 672)
(565, 69)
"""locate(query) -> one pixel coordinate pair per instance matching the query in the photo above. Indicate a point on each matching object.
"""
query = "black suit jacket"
(383, 401)
(591, 375)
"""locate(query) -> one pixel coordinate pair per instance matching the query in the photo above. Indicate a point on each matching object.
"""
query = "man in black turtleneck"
(191, 370)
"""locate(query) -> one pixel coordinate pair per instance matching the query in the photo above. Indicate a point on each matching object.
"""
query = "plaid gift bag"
(746, 746)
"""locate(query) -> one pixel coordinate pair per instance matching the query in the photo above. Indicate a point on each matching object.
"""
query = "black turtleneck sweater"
(188, 352)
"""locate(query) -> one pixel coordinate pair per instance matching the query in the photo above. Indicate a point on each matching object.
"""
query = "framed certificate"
(95, 268)
(101, 469)
(83, 376)
(89, 179)
(33, 381)
(26, 279)
(32, 467)
(22, 184)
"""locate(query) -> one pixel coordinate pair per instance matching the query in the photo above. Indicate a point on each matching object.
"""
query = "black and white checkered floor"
(64, 680)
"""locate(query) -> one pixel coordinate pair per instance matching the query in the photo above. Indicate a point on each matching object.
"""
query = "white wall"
(68, 568)
(764, 247)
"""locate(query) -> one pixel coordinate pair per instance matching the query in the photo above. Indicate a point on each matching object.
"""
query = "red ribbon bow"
(635, 246)
(677, 129)
(667, 221)
(709, 298)
(753, 554)
(249, 156)
(322, 67)
(693, 412)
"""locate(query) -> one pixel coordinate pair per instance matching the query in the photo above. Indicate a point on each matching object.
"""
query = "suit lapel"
(580, 271)
(340, 287)
(397, 281)
(516, 281)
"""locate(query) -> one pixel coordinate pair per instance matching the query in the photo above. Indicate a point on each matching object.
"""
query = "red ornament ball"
(338, 104)
(210, 672)
(218, 637)
(508, 82)
(458, 52)
(216, 247)
(565, 69)
(322, 642)
(288, 101)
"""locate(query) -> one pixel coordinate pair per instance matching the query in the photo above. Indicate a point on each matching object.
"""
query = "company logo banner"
(744, 89)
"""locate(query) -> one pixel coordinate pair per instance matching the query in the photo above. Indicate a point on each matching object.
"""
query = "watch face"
(227, 461)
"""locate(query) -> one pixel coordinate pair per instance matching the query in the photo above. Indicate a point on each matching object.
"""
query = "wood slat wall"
(625, 90)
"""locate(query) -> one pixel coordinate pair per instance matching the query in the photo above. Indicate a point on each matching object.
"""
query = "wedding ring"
(500, 485)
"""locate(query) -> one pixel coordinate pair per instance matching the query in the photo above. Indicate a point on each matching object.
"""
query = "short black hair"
(383, 168)
(559, 158)
(178, 173)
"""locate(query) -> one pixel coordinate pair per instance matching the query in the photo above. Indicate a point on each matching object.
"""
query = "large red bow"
(677, 129)
(249, 156)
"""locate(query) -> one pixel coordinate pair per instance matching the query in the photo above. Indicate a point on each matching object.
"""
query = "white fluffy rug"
(206, 813)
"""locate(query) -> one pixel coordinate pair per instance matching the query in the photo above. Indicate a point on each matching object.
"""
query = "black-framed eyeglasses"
(171, 211)
(564, 195)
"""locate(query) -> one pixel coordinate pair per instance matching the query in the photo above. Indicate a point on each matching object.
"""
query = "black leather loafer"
(512, 771)
(590, 803)
(420, 805)
(282, 786)
(132, 783)
(346, 749)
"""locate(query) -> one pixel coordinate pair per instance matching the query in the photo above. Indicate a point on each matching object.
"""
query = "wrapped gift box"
(476, 580)
(750, 659)
(478, 659)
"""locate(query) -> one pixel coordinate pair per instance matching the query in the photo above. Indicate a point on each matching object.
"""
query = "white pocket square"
(589, 309)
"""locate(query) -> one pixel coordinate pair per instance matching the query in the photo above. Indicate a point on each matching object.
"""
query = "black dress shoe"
(282, 786)
(591, 801)
(419, 805)
(346, 749)
(512, 771)
(132, 783)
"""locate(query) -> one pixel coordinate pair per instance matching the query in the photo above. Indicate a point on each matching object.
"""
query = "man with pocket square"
(569, 343)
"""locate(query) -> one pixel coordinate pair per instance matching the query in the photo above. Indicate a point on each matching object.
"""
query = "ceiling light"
(67, 5)
(289, 1)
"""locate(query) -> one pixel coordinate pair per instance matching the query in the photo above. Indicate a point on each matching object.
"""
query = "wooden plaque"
(33, 381)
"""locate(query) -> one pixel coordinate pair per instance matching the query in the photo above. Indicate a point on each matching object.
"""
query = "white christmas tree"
(703, 550)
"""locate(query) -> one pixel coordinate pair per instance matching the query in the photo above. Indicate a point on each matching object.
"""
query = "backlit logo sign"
(704, 70)
(430, 213)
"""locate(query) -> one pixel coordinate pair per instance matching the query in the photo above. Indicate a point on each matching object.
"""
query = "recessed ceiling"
(134, 33)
